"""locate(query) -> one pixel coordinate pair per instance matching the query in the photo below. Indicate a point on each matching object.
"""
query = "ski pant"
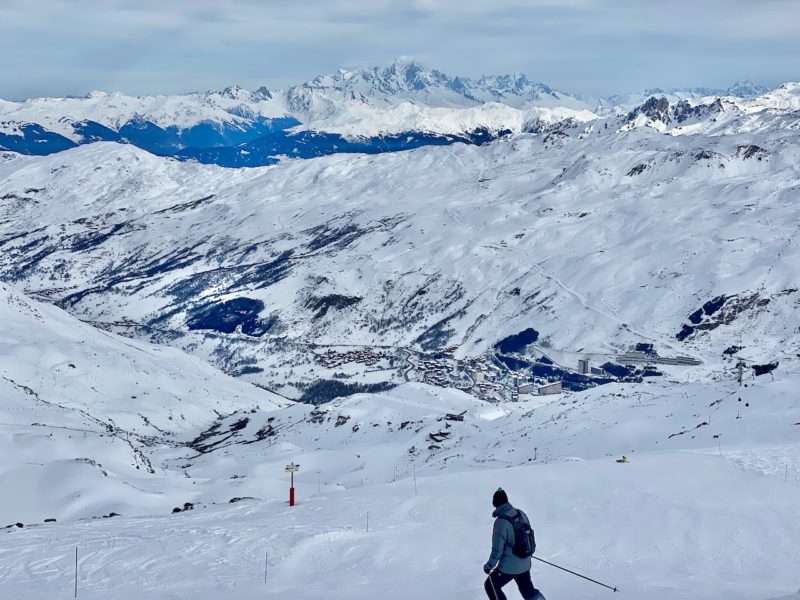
(496, 580)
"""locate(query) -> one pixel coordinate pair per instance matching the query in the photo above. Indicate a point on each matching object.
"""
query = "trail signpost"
(291, 468)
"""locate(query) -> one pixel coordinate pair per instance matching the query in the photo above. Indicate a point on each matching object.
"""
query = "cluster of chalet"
(489, 380)
(365, 356)
(441, 373)
(482, 377)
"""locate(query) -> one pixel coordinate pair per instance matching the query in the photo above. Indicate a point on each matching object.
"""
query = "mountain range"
(262, 270)
(592, 303)
(379, 109)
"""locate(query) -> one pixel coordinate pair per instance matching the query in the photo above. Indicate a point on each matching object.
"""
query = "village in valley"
(485, 377)
(494, 376)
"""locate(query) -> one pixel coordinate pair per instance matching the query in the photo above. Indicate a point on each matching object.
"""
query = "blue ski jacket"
(503, 543)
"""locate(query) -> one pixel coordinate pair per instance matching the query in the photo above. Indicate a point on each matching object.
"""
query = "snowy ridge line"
(405, 82)
(390, 108)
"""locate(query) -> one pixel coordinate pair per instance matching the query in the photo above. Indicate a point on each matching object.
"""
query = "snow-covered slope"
(642, 527)
(418, 430)
(778, 110)
(654, 243)
(77, 367)
(377, 88)
(404, 88)
(406, 80)
(393, 489)
(697, 515)
(597, 239)
(745, 89)
(82, 410)
(232, 106)
(407, 117)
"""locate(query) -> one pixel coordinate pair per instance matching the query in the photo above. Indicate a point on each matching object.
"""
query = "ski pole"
(574, 573)
(491, 583)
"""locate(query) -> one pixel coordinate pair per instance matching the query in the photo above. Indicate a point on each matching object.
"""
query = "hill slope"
(83, 412)
(686, 521)
(596, 240)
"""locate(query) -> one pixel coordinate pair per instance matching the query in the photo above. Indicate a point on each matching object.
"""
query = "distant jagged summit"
(406, 79)
(746, 89)
(402, 75)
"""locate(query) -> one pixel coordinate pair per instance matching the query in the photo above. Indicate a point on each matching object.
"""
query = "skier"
(512, 546)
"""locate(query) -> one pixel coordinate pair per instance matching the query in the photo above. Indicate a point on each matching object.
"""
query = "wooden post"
(76, 571)
(266, 564)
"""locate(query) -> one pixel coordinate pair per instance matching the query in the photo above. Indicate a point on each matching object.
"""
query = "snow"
(374, 121)
(665, 224)
(600, 231)
(784, 97)
(44, 347)
(115, 109)
(697, 515)
(683, 519)
(402, 96)
(671, 525)
(81, 407)
(11, 128)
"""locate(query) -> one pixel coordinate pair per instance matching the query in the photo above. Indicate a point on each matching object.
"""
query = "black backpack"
(524, 538)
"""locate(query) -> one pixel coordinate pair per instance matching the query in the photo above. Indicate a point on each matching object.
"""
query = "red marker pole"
(291, 468)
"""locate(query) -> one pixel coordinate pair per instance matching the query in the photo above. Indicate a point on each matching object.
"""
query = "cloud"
(57, 47)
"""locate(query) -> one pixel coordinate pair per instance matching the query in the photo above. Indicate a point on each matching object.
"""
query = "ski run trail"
(682, 525)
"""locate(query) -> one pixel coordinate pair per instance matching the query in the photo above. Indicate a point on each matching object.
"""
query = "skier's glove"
(488, 568)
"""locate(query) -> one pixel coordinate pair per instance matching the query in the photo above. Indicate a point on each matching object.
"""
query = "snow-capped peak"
(329, 101)
(784, 97)
(402, 76)
(235, 92)
(746, 88)
(96, 94)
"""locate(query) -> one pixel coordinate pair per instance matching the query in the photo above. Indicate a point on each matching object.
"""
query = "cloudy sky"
(597, 47)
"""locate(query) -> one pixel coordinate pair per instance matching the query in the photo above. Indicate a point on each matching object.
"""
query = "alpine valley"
(417, 287)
